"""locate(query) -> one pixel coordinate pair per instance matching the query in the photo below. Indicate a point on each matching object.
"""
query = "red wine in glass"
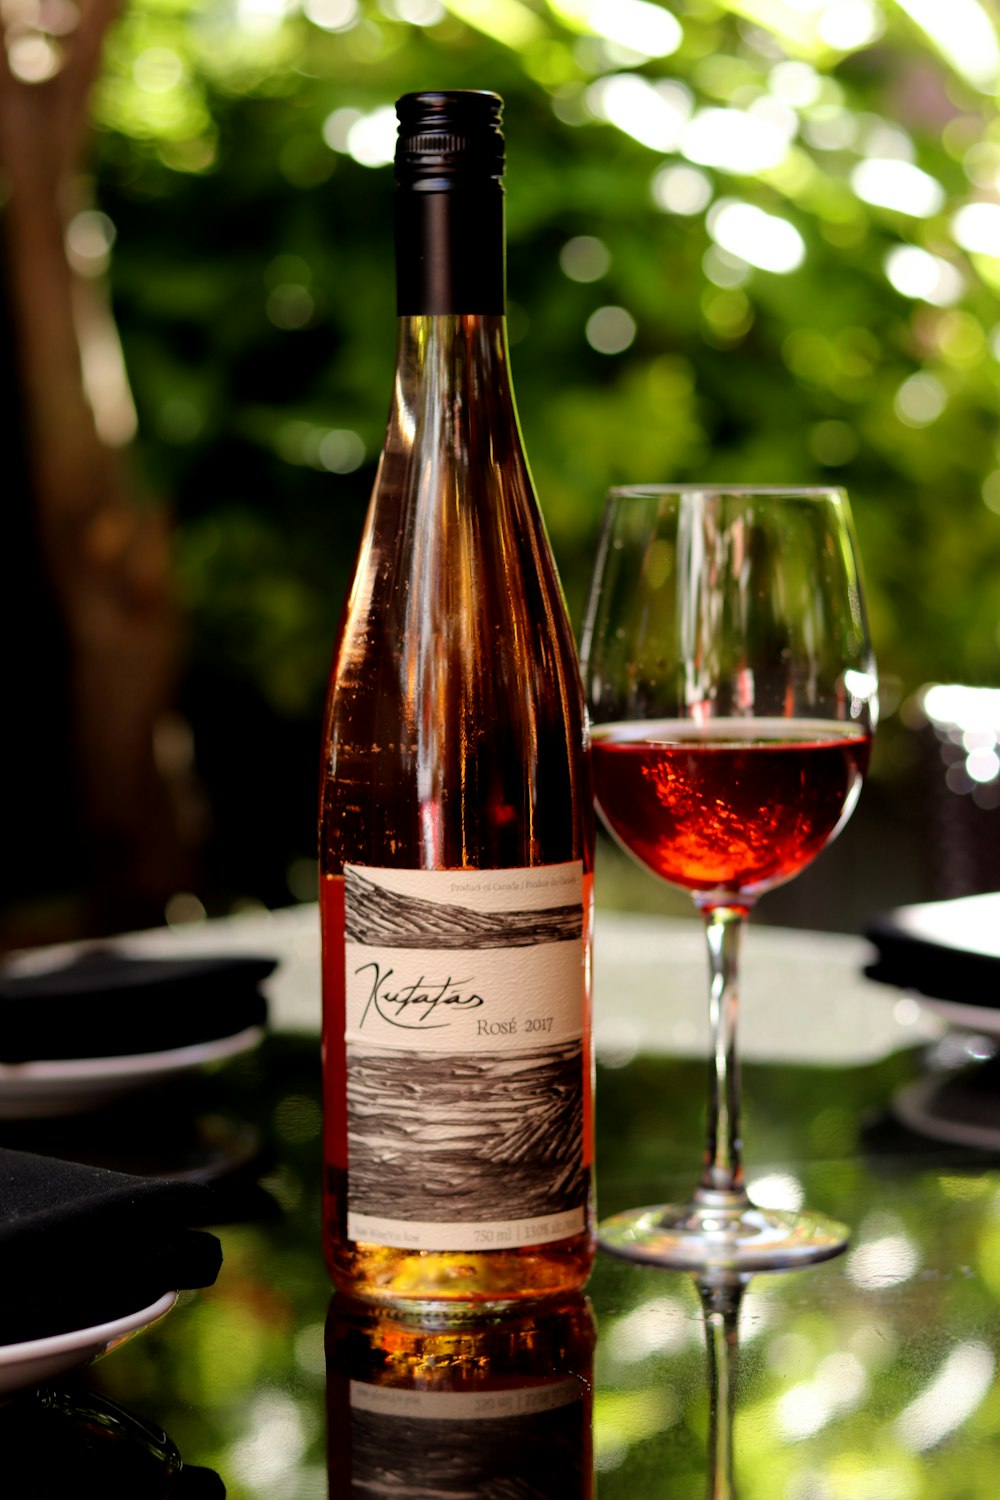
(734, 804)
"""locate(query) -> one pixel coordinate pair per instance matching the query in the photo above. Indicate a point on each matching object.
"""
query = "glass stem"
(721, 1181)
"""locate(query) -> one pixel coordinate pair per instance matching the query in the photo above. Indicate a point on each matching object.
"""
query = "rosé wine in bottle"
(456, 821)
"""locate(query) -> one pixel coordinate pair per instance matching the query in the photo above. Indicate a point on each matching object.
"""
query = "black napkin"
(105, 1004)
(81, 1245)
(947, 950)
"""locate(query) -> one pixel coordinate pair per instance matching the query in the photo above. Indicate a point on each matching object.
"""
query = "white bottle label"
(465, 1058)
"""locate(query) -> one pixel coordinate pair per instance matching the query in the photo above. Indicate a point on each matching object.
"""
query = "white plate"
(984, 1020)
(66, 1087)
(39, 1359)
(948, 1108)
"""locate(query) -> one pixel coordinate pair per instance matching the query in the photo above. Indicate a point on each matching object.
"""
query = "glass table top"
(869, 1377)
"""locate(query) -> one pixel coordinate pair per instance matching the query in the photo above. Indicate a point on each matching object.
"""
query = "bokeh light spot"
(584, 258)
(610, 330)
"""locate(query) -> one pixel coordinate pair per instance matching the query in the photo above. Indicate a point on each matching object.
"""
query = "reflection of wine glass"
(721, 1294)
(733, 697)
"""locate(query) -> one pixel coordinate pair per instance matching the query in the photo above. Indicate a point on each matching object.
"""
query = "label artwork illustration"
(465, 1069)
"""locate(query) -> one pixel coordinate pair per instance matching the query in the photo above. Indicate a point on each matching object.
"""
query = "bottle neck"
(450, 250)
(452, 393)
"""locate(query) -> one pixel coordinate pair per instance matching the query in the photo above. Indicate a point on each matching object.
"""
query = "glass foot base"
(726, 1236)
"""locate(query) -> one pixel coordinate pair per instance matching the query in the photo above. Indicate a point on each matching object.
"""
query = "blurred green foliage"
(241, 165)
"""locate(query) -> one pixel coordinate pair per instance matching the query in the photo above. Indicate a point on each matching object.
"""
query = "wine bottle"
(456, 821)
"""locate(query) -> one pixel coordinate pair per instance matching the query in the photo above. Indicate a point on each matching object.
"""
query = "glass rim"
(740, 491)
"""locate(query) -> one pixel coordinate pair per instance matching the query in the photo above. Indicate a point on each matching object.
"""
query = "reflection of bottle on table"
(487, 1408)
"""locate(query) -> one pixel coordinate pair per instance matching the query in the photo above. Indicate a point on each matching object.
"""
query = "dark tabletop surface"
(872, 1376)
(868, 1376)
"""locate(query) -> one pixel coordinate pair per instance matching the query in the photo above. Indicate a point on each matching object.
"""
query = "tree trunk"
(106, 551)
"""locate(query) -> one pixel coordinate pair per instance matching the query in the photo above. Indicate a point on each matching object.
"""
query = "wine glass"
(733, 697)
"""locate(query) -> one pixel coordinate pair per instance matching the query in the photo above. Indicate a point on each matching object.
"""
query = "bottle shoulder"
(455, 731)
(457, 556)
